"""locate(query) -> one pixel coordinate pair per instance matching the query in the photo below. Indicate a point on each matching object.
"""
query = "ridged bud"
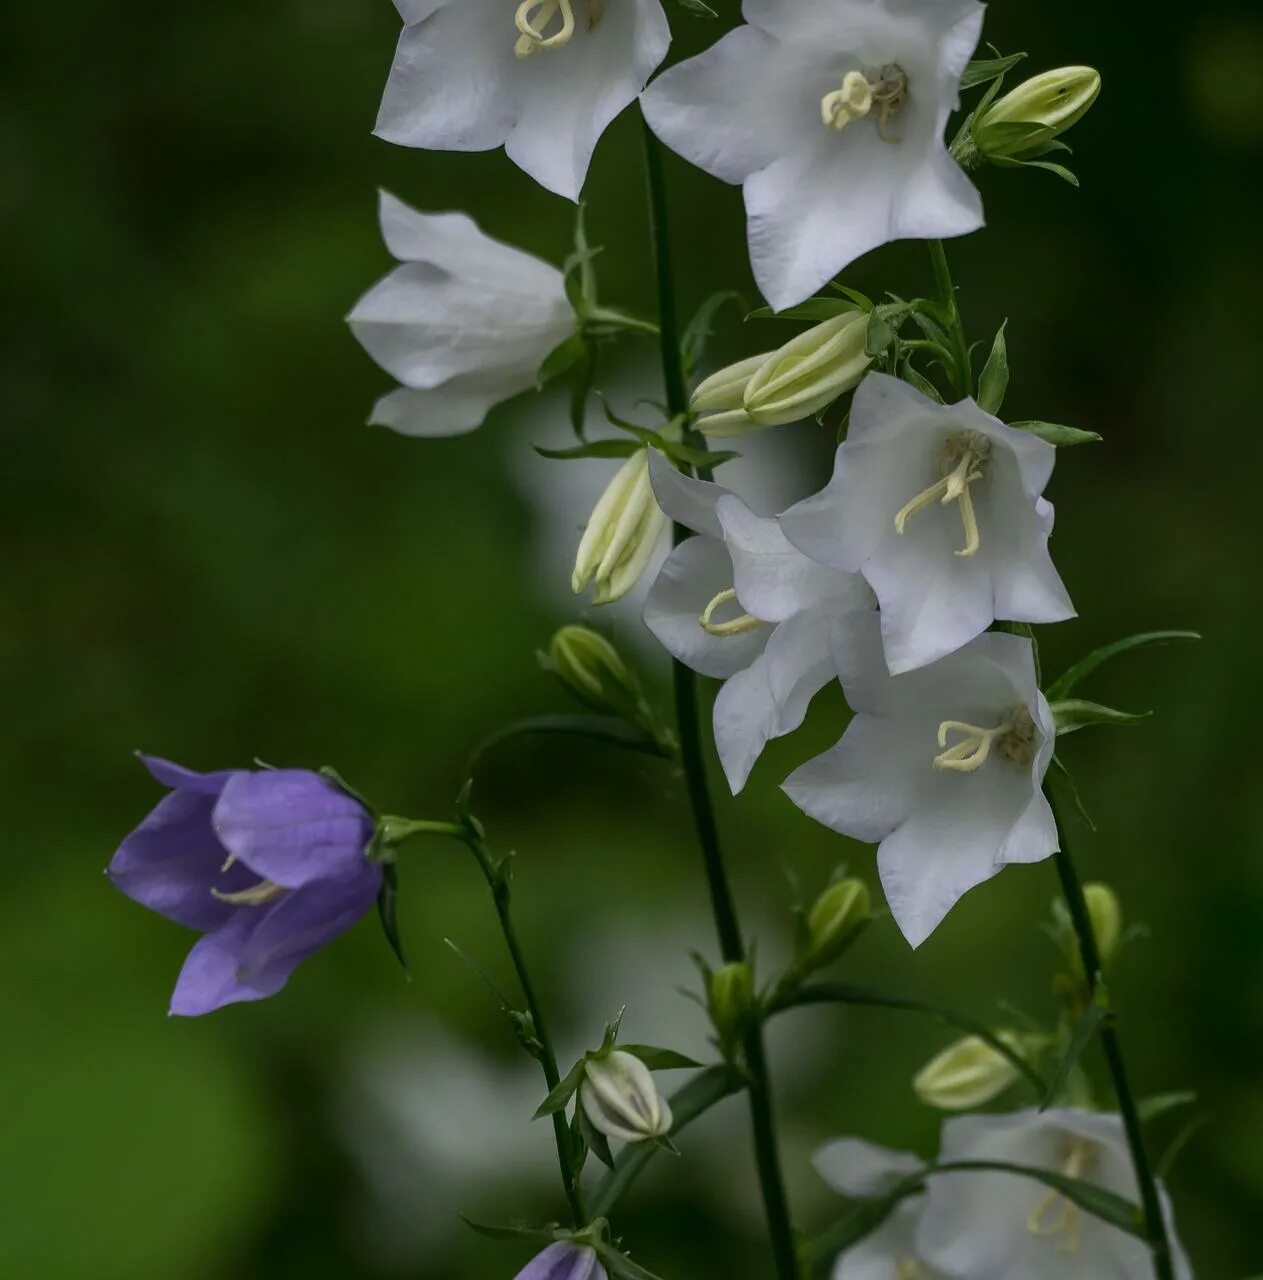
(967, 1074)
(620, 1099)
(720, 399)
(1053, 101)
(731, 1000)
(1107, 918)
(622, 534)
(810, 372)
(594, 671)
(838, 915)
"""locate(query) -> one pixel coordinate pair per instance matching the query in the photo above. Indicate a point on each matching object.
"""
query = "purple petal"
(564, 1261)
(252, 954)
(178, 778)
(173, 859)
(292, 827)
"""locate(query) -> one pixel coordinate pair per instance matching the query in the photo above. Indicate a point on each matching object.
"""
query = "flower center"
(534, 16)
(734, 627)
(962, 464)
(258, 895)
(1014, 738)
(884, 90)
(1054, 1217)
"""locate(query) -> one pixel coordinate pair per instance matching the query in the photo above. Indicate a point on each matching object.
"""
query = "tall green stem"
(949, 304)
(731, 943)
(1150, 1201)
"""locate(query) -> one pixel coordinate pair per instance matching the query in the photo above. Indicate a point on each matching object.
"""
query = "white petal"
(571, 94)
(455, 82)
(456, 407)
(694, 573)
(1028, 587)
(861, 1170)
(880, 1256)
(687, 501)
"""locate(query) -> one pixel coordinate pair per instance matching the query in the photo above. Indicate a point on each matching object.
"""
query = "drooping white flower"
(861, 1171)
(943, 766)
(940, 508)
(464, 322)
(995, 1226)
(740, 603)
(831, 113)
(542, 78)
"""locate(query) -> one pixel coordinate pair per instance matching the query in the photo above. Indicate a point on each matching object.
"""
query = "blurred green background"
(211, 558)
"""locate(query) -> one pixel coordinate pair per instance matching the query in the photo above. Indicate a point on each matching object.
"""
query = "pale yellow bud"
(731, 1001)
(967, 1074)
(720, 399)
(838, 915)
(593, 670)
(810, 372)
(622, 534)
(1054, 101)
(1107, 918)
(619, 1097)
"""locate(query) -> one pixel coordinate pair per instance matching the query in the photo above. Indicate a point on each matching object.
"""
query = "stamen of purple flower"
(258, 896)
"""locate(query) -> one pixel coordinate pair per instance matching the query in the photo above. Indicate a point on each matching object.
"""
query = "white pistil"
(258, 896)
(533, 17)
(1055, 1217)
(862, 92)
(962, 465)
(1014, 738)
(737, 626)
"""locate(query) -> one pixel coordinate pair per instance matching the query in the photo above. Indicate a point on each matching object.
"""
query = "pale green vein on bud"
(809, 372)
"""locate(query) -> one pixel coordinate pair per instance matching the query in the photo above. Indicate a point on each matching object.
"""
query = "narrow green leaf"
(914, 378)
(559, 1097)
(659, 1059)
(1062, 437)
(981, 70)
(1159, 1104)
(606, 729)
(861, 300)
(702, 326)
(592, 449)
(512, 1231)
(814, 309)
(1084, 1030)
(1073, 714)
(993, 385)
(388, 913)
(1063, 686)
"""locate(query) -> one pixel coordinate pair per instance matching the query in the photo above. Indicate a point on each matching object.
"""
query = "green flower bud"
(622, 533)
(731, 1000)
(967, 1074)
(810, 372)
(1049, 104)
(720, 399)
(835, 920)
(1107, 918)
(594, 671)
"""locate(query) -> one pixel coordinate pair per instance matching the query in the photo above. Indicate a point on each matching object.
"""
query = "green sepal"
(701, 328)
(861, 300)
(1012, 162)
(513, 1231)
(388, 914)
(1062, 437)
(914, 378)
(1073, 714)
(657, 1059)
(591, 449)
(559, 1096)
(561, 359)
(982, 70)
(1160, 1104)
(610, 1038)
(814, 309)
(880, 334)
(1065, 684)
(993, 384)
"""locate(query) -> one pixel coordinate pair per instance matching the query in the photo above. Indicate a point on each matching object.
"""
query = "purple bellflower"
(564, 1261)
(269, 865)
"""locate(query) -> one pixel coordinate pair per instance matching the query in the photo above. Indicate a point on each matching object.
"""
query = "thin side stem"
(727, 924)
(950, 306)
(1150, 1201)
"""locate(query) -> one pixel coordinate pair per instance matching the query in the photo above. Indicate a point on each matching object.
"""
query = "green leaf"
(512, 1231)
(814, 309)
(1085, 1028)
(1073, 714)
(609, 730)
(561, 359)
(610, 1039)
(1062, 687)
(591, 449)
(659, 1059)
(1062, 437)
(993, 385)
(561, 1093)
(918, 380)
(880, 334)
(1159, 1104)
(685, 455)
(1012, 162)
(982, 70)
(702, 326)
(388, 913)
(861, 300)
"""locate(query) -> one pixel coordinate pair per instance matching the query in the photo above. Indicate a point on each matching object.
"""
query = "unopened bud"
(622, 534)
(1052, 102)
(720, 399)
(1107, 918)
(620, 1099)
(731, 999)
(594, 671)
(839, 914)
(967, 1074)
(810, 372)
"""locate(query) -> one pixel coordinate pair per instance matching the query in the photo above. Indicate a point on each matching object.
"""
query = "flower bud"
(1053, 101)
(1107, 918)
(720, 399)
(840, 912)
(622, 534)
(967, 1074)
(731, 999)
(809, 372)
(594, 671)
(620, 1099)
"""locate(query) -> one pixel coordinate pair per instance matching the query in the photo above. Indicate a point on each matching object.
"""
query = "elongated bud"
(1051, 102)
(731, 999)
(809, 372)
(967, 1074)
(721, 399)
(835, 921)
(622, 534)
(619, 1097)
(1107, 918)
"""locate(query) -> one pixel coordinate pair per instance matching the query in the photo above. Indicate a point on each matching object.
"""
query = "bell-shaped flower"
(995, 1226)
(620, 1099)
(564, 1261)
(544, 82)
(463, 323)
(940, 508)
(797, 380)
(622, 534)
(861, 1171)
(943, 766)
(831, 113)
(740, 603)
(268, 865)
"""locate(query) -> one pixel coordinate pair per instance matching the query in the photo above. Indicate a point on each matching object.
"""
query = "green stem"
(949, 306)
(731, 944)
(1150, 1201)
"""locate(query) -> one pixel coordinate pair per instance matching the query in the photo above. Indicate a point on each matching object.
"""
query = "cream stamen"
(737, 626)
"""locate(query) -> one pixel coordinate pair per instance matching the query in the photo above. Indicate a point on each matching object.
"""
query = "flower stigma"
(533, 17)
(1014, 738)
(1054, 1217)
(962, 463)
(257, 896)
(863, 92)
(734, 627)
